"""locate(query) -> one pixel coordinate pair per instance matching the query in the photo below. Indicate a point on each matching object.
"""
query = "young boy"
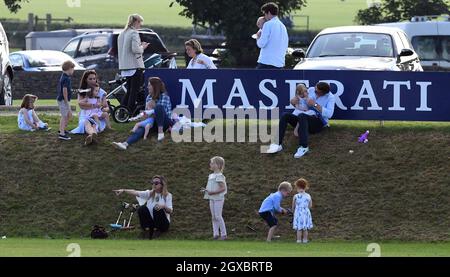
(64, 91)
(271, 205)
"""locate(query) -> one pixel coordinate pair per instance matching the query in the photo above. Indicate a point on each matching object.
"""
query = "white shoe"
(274, 148)
(160, 136)
(299, 241)
(301, 151)
(119, 145)
(305, 241)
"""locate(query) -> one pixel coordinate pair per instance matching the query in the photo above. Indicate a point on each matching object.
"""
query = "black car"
(6, 71)
(98, 49)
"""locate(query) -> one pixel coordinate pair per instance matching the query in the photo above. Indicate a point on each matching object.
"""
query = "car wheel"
(6, 92)
(121, 114)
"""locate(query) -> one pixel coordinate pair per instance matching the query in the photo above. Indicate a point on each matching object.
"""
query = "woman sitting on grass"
(156, 206)
(162, 114)
(85, 124)
(27, 118)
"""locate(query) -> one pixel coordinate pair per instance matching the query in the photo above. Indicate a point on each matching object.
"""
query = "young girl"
(302, 107)
(96, 112)
(301, 204)
(215, 191)
(27, 118)
(147, 124)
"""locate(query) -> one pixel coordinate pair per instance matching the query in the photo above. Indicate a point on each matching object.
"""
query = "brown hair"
(26, 101)
(194, 44)
(270, 7)
(302, 184)
(90, 94)
(67, 65)
(158, 87)
(83, 82)
(323, 87)
(163, 181)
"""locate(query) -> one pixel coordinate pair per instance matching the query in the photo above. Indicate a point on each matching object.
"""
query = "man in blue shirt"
(322, 102)
(273, 40)
(272, 205)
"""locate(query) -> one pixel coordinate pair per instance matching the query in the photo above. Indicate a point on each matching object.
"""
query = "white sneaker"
(160, 136)
(274, 148)
(305, 241)
(301, 151)
(299, 241)
(119, 145)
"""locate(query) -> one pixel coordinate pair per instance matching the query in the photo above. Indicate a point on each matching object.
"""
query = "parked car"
(6, 70)
(40, 60)
(98, 49)
(431, 40)
(360, 48)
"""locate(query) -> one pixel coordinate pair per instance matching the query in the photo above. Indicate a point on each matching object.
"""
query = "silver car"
(360, 48)
(6, 71)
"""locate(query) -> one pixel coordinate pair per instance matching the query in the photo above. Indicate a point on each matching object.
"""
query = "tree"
(398, 10)
(14, 5)
(236, 18)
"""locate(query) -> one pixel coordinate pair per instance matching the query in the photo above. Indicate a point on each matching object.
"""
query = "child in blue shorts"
(272, 205)
(147, 123)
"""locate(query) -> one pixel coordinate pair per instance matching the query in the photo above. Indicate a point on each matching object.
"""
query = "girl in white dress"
(301, 204)
(27, 118)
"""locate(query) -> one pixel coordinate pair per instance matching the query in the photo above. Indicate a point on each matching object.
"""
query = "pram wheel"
(121, 114)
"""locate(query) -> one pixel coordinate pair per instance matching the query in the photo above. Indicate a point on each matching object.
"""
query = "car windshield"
(352, 44)
(46, 59)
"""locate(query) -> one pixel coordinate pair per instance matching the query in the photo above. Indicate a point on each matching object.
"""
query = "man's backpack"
(99, 232)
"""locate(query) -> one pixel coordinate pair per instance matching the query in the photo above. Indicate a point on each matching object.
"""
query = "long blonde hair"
(163, 181)
(132, 18)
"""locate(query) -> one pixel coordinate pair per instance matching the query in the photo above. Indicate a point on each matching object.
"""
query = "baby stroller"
(122, 113)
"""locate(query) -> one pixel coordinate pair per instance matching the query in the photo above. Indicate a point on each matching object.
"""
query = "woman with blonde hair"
(156, 206)
(131, 58)
(198, 59)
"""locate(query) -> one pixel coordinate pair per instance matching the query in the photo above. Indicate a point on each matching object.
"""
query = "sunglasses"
(156, 183)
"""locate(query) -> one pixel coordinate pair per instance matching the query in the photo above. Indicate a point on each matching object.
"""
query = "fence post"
(30, 22)
(49, 22)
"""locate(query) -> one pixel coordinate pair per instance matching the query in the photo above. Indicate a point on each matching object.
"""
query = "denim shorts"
(269, 218)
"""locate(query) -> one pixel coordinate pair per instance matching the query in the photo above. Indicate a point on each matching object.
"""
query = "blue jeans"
(161, 119)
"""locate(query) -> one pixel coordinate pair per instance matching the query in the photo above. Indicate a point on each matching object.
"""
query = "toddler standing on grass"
(301, 204)
(272, 205)
(27, 118)
(215, 192)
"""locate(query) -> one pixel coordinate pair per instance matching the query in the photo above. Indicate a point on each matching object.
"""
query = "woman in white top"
(155, 214)
(198, 59)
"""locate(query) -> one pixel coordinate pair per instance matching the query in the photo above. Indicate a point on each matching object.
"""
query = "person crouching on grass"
(301, 203)
(272, 205)
(215, 192)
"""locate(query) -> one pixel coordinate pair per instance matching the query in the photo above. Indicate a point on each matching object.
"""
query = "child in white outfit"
(215, 191)
(27, 118)
(301, 205)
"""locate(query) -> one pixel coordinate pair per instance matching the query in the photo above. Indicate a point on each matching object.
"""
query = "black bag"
(99, 232)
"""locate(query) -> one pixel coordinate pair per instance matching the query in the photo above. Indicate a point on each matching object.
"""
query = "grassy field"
(322, 13)
(393, 188)
(188, 248)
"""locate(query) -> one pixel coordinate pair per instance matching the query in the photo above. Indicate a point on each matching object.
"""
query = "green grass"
(393, 188)
(189, 248)
(322, 13)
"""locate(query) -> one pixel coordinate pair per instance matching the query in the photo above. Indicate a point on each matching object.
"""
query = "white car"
(431, 40)
(6, 71)
(360, 48)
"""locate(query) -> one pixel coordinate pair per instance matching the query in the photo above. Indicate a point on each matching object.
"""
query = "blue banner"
(360, 95)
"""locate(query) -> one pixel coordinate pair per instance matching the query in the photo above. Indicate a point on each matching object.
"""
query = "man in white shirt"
(273, 40)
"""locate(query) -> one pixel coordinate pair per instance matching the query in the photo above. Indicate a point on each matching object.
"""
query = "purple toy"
(364, 137)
